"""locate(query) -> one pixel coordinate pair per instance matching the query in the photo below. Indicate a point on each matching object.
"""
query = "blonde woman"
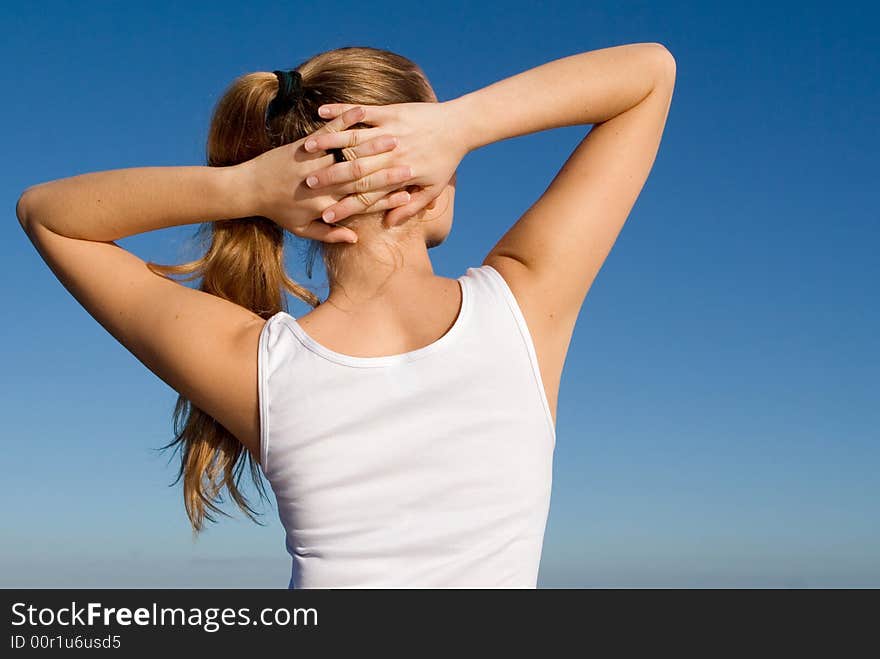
(406, 425)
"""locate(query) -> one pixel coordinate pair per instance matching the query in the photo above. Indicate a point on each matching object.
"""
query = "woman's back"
(426, 468)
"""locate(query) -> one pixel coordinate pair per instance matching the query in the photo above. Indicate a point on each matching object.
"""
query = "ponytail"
(245, 265)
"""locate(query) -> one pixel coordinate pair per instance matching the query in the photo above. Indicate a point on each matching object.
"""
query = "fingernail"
(324, 112)
(352, 240)
(312, 181)
(311, 144)
(328, 216)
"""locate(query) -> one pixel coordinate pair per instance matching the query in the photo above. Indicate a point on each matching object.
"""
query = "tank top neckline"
(385, 360)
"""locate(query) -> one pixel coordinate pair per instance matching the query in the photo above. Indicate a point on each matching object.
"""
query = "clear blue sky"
(718, 418)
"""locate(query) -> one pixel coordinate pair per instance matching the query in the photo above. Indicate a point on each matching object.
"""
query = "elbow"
(665, 65)
(29, 208)
(22, 209)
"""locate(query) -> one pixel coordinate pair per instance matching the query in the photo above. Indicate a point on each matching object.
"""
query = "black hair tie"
(289, 93)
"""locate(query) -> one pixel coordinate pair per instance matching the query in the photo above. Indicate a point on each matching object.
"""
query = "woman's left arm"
(176, 331)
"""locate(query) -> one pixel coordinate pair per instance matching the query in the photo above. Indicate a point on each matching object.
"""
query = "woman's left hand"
(275, 182)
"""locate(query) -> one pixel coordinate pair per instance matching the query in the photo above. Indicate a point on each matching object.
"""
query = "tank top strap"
(494, 299)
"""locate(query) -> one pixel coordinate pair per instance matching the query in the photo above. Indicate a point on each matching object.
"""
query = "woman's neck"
(380, 270)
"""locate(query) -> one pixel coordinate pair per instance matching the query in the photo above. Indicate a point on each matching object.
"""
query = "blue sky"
(718, 415)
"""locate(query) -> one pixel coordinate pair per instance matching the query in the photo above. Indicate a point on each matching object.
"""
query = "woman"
(406, 424)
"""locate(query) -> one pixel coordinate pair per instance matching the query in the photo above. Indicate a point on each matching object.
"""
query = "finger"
(342, 139)
(351, 171)
(375, 114)
(381, 144)
(418, 200)
(331, 110)
(393, 200)
(377, 179)
(366, 202)
(350, 117)
(327, 233)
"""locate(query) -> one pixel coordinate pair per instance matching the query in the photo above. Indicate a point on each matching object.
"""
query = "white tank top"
(431, 468)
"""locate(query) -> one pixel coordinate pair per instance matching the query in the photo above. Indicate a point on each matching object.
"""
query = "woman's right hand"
(427, 141)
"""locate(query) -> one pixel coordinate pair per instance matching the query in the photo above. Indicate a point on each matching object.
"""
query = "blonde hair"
(245, 260)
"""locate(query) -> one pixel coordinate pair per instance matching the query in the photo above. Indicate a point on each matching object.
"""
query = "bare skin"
(549, 257)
